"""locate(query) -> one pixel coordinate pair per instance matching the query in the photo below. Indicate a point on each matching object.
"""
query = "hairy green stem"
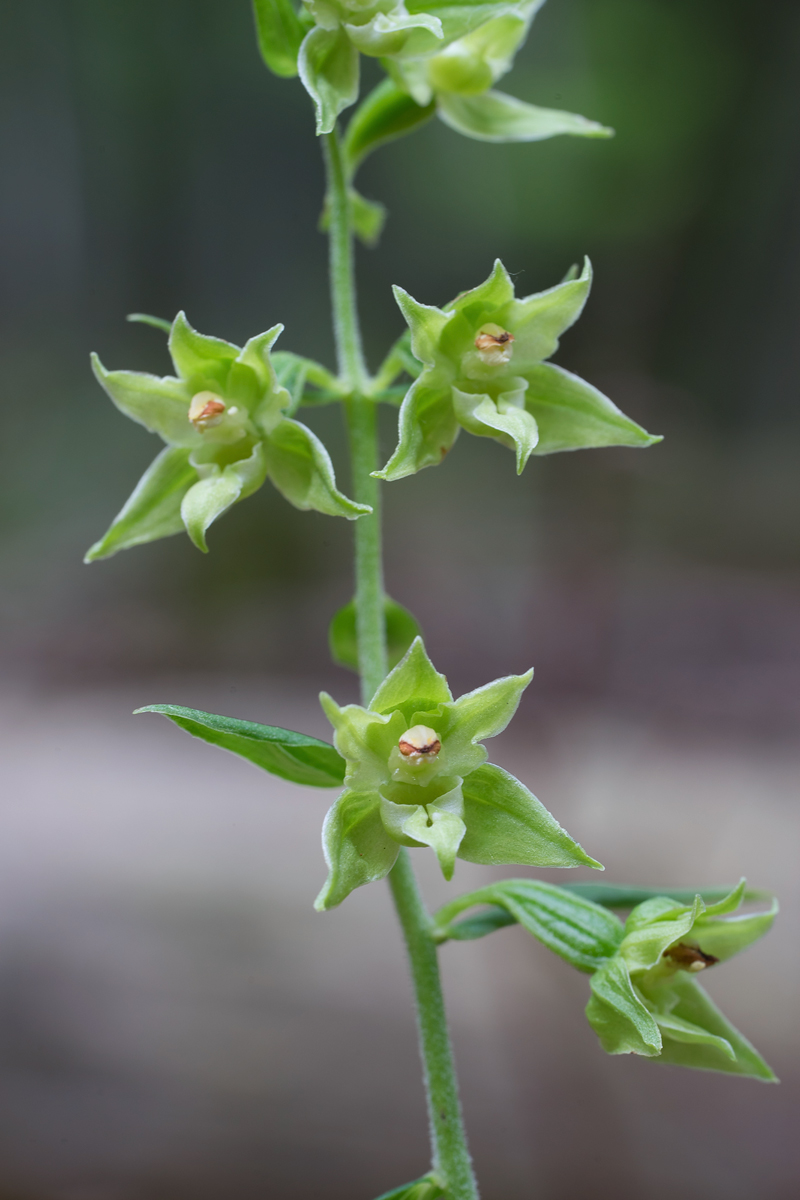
(451, 1159)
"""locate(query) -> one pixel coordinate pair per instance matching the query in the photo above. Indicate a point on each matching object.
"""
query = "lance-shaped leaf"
(293, 756)
(494, 117)
(329, 70)
(280, 33)
(154, 508)
(584, 934)
(427, 1188)
(301, 469)
(357, 846)
(572, 415)
(401, 629)
(621, 895)
(506, 823)
(385, 114)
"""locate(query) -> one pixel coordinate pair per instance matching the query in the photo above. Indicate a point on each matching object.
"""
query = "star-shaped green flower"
(222, 417)
(460, 78)
(417, 776)
(485, 371)
(646, 998)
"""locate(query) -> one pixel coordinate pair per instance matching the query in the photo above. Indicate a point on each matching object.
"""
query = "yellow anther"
(206, 410)
(493, 344)
(419, 743)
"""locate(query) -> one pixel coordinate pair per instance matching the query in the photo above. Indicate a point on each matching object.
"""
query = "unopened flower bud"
(493, 344)
(206, 410)
(689, 958)
(419, 743)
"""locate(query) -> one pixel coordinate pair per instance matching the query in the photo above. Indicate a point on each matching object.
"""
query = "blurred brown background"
(175, 1020)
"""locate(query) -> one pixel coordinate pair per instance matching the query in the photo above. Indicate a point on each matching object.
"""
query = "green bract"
(223, 420)
(646, 998)
(460, 77)
(485, 372)
(417, 776)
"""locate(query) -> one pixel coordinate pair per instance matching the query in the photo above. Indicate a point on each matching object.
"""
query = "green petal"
(256, 355)
(573, 415)
(474, 717)
(724, 938)
(427, 428)
(648, 934)
(389, 33)
(386, 113)
(457, 21)
(203, 362)
(218, 490)
(505, 421)
(154, 508)
(507, 824)
(364, 739)
(161, 405)
(426, 323)
(538, 321)
(427, 1188)
(496, 42)
(293, 756)
(494, 117)
(695, 1008)
(617, 1015)
(414, 685)
(280, 34)
(329, 70)
(301, 470)
(357, 847)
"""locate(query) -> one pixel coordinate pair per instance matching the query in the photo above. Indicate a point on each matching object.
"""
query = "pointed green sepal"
(161, 405)
(154, 508)
(494, 117)
(413, 686)
(301, 469)
(427, 430)
(507, 824)
(200, 360)
(292, 756)
(572, 415)
(358, 849)
(505, 420)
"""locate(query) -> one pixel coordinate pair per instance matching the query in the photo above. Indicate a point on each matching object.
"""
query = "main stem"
(451, 1160)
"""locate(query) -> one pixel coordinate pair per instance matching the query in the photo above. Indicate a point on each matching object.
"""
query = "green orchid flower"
(485, 371)
(223, 419)
(417, 776)
(323, 40)
(646, 999)
(460, 77)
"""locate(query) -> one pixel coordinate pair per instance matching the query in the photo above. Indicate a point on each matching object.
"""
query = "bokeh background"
(175, 1021)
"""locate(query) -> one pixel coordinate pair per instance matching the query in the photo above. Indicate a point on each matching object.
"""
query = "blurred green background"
(151, 163)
